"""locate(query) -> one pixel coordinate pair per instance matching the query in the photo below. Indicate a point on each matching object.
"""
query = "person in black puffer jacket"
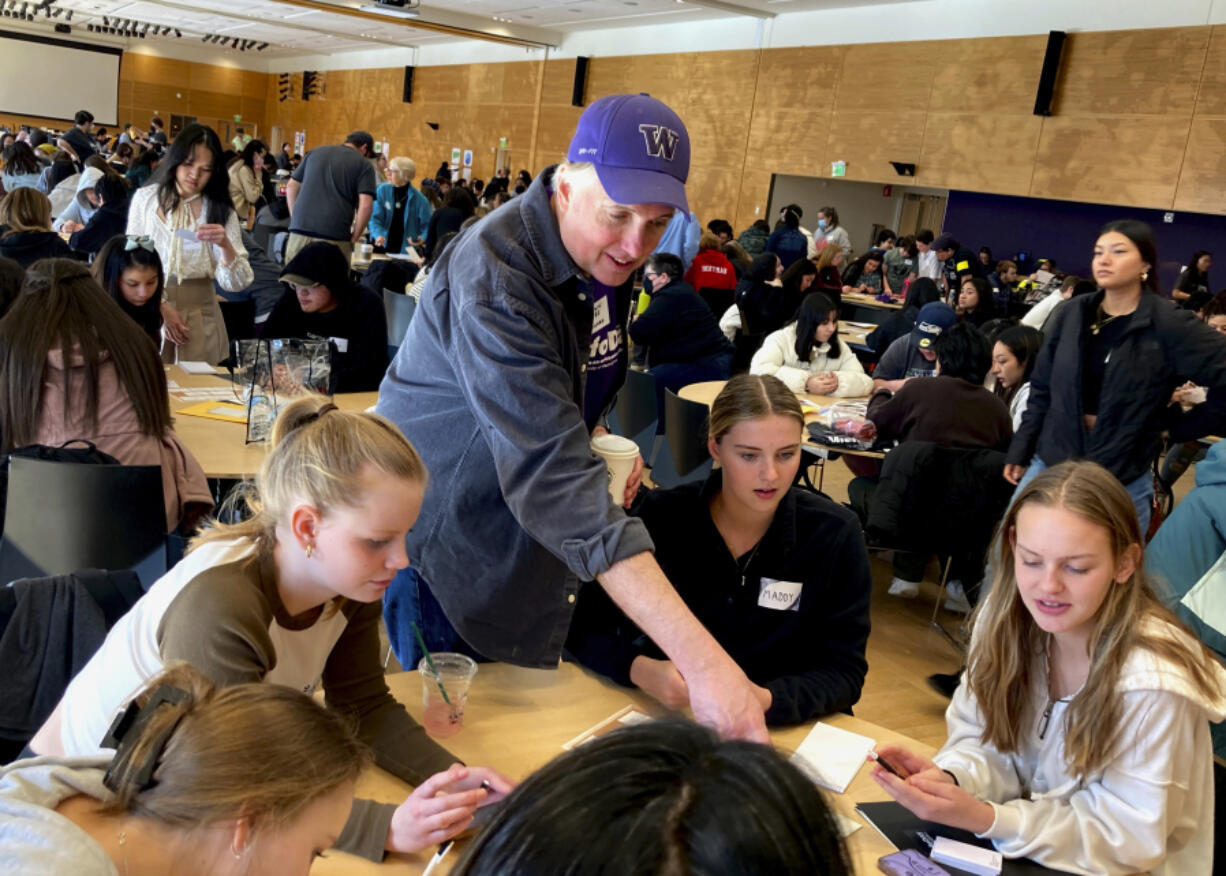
(25, 228)
(1104, 377)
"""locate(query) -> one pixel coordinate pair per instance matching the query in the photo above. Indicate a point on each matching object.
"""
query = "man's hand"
(1013, 473)
(442, 806)
(635, 480)
(724, 698)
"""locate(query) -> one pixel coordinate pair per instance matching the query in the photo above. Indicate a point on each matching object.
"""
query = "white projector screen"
(58, 77)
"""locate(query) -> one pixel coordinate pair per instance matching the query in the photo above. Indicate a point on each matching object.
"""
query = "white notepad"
(197, 367)
(832, 757)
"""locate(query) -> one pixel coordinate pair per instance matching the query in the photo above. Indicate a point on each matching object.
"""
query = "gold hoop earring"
(310, 549)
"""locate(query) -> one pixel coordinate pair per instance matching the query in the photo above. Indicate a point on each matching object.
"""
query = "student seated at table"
(1003, 281)
(829, 280)
(864, 276)
(797, 282)
(129, 270)
(110, 219)
(323, 303)
(711, 274)
(205, 780)
(292, 595)
(898, 323)
(913, 355)
(76, 366)
(901, 263)
(1014, 355)
(84, 202)
(975, 303)
(808, 356)
(952, 410)
(1079, 737)
(665, 797)
(779, 575)
(683, 340)
(760, 290)
(25, 228)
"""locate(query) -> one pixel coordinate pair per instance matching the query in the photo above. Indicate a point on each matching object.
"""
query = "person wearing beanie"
(322, 303)
(331, 194)
(914, 354)
(507, 372)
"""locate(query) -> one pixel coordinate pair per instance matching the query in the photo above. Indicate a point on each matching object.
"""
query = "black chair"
(399, 309)
(745, 346)
(239, 317)
(635, 415)
(682, 456)
(63, 516)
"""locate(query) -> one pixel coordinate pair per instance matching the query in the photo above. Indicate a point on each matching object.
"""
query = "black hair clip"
(311, 418)
(125, 731)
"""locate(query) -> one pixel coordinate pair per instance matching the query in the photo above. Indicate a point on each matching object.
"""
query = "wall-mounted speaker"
(577, 93)
(903, 168)
(1050, 73)
(407, 97)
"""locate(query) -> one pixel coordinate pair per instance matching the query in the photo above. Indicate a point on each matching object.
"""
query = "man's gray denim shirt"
(488, 385)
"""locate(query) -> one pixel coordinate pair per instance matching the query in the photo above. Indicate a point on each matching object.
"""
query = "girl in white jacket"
(1079, 737)
(808, 356)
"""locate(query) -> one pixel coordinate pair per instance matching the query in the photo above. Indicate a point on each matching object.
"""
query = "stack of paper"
(832, 757)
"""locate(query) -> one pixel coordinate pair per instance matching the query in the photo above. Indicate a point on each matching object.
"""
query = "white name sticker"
(779, 595)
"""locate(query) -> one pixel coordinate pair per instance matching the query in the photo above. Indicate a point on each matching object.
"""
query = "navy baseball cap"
(934, 318)
(640, 149)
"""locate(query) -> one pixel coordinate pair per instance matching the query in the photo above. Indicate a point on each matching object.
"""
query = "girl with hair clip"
(1013, 358)
(672, 799)
(130, 271)
(779, 575)
(292, 595)
(202, 782)
(1119, 354)
(808, 356)
(186, 211)
(75, 367)
(1080, 736)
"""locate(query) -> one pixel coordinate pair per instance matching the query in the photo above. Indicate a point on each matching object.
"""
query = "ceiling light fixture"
(392, 11)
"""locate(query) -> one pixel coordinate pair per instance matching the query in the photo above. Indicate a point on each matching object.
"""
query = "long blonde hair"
(825, 258)
(316, 453)
(1003, 671)
(264, 751)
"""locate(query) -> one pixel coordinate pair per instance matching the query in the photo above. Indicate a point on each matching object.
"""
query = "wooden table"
(518, 719)
(861, 300)
(221, 447)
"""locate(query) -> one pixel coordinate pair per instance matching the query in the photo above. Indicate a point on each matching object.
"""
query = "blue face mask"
(821, 223)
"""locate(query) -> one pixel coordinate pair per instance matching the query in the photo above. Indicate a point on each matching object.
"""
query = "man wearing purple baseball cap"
(508, 369)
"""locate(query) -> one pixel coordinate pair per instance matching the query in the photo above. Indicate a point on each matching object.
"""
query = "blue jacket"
(416, 214)
(681, 238)
(489, 386)
(1190, 542)
(789, 244)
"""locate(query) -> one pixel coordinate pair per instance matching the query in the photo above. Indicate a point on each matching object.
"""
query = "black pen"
(872, 755)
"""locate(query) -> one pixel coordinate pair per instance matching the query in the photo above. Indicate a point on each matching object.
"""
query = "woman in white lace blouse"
(186, 210)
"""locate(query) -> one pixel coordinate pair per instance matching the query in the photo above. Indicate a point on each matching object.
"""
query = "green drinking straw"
(438, 679)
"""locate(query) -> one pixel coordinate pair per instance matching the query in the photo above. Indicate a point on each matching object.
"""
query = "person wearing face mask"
(742, 551)
(322, 303)
(829, 229)
(1120, 354)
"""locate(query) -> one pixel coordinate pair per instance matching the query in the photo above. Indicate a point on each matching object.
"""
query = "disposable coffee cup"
(365, 252)
(619, 455)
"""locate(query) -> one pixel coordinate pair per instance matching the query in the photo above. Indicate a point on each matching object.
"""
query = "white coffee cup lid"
(614, 444)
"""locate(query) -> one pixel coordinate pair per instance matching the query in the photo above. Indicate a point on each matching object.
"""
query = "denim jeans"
(1141, 491)
(409, 601)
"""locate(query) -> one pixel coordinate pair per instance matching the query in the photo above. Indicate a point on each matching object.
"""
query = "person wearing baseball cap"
(331, 194)
(957, 263)
(508, 370)
(913, 355)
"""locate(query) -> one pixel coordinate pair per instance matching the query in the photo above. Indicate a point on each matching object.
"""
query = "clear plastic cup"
(443, 713)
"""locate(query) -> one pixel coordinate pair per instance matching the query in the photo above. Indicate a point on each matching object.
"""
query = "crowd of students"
(1085, 704)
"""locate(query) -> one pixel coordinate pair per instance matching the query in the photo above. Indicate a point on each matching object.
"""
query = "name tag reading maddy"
(779, 595)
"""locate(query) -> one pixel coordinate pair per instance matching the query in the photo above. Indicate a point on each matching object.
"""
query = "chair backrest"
(637, 410)
(63, 516)
(239, 317)
(399, 309)
(685, 432)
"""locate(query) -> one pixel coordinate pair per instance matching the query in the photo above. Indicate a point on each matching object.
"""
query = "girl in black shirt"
(779, 575)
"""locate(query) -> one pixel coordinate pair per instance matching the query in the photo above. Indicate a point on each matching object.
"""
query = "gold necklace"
(1104, 319)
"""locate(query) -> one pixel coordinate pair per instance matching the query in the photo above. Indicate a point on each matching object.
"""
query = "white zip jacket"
(1149, 810)
(777, 356)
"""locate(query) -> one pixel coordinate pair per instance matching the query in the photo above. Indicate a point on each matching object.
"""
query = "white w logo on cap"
(661, 141)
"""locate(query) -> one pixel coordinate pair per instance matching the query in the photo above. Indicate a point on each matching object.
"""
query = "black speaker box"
(576, 95)
(1051, 71)
(407, 97)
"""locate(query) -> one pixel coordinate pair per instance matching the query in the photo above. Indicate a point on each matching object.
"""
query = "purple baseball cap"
(639, 146)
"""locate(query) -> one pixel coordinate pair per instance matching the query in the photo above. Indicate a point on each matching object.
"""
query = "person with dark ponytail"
(205, 780)
(292, 595)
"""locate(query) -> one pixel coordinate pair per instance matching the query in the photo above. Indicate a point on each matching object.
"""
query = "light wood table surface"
(518, 719)
(862, 300)
(220, 447)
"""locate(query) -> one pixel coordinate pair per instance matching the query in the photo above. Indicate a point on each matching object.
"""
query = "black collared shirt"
(808, 651)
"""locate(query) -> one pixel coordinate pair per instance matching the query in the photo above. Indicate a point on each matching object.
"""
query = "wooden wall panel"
(869, 141)
(789, 141)
(755, 188)
(1202, 180)
(800, 79)
(1211, 96)
(1135, 72)
(997, 75)
(888, 77)
(1132, 161)
(979, 152)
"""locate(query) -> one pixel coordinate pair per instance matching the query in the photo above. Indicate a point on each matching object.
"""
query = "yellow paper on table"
(230, 412)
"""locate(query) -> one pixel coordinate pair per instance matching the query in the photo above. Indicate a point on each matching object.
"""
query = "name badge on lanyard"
(779, 595)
